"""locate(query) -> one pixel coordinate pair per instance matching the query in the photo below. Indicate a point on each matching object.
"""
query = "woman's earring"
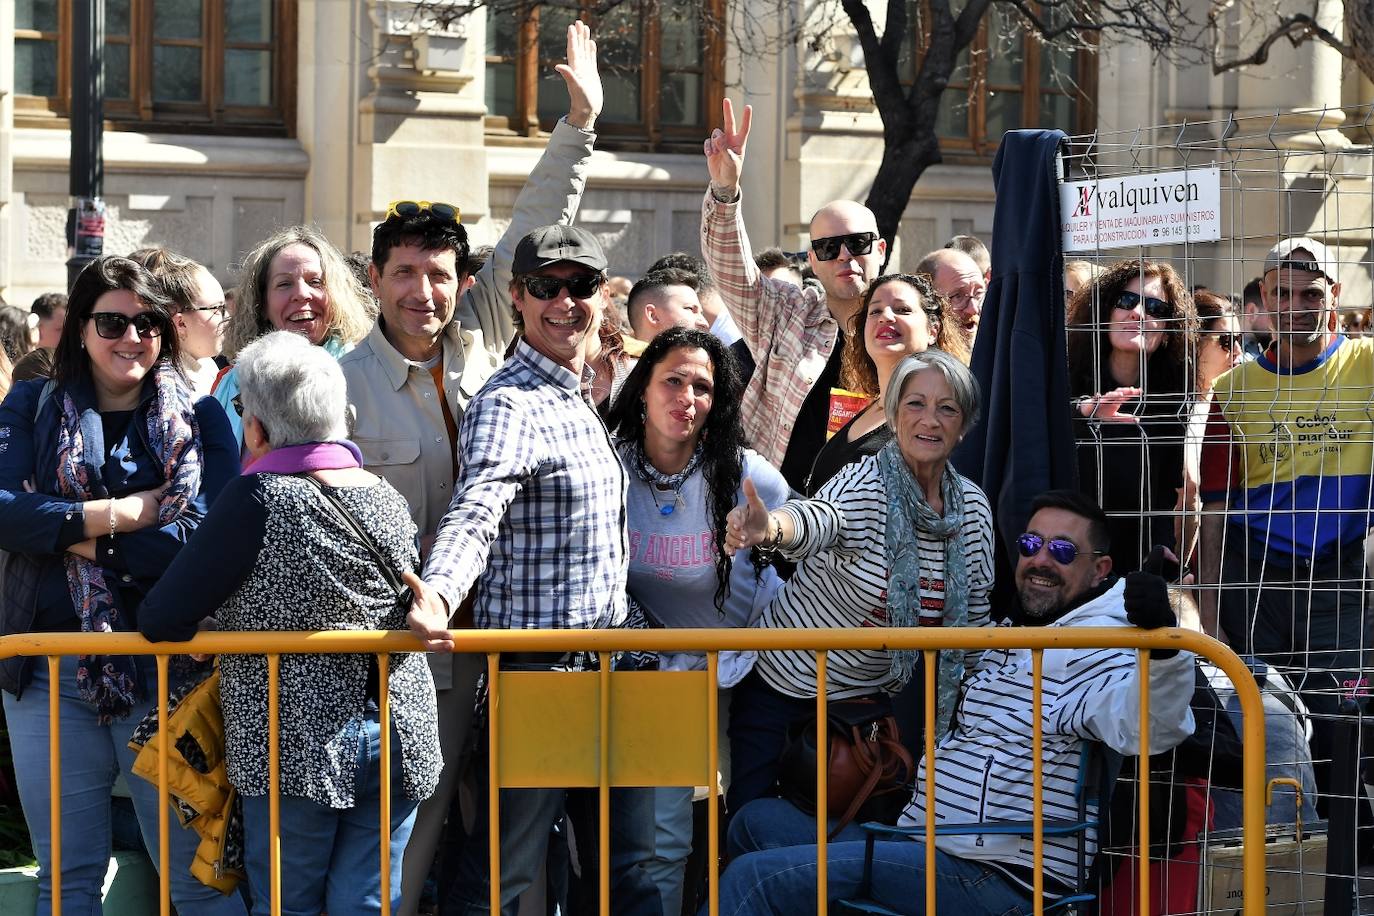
(643, 411)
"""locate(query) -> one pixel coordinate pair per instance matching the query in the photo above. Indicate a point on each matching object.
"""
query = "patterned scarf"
(909, 512)
(108, 682)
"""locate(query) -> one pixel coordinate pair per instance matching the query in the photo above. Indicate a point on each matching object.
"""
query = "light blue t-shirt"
(673, 557)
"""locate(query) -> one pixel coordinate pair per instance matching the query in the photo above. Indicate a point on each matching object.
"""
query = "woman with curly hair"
(1131, 339)
(678, 433)
(901, 314)
(294, 280)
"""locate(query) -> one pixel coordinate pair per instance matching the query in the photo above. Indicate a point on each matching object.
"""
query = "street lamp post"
(86, 219)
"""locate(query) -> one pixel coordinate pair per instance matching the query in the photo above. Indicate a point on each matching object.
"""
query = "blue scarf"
(910, 513)
(108, 682)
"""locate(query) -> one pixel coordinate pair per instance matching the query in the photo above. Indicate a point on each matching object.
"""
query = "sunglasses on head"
(1155, 308)
(1063, 551)
(406, 209)
(582, 286)
(112, 325)
(828, 248)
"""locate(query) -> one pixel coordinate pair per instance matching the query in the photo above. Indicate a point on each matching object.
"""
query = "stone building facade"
(325, 110)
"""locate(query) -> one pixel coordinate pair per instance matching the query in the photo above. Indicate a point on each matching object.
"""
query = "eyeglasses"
(1155, 308)
(581, 286)
(1062, 550)
(405, 209)
(112, 325)
(828, 248)
(221, 310)
(1228, 341)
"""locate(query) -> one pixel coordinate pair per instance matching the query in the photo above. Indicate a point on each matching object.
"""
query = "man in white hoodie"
(983, 766)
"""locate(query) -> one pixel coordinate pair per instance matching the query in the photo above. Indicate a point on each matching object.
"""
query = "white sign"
(1165, 208)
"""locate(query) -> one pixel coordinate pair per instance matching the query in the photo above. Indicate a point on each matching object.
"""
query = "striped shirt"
(789, 329)
(538, 508)
(983, 769)
(841, 581)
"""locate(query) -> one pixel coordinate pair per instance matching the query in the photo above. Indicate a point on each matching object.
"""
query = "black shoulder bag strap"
(341, 512)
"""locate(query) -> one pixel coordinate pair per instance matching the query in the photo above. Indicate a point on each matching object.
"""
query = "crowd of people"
(430, 437)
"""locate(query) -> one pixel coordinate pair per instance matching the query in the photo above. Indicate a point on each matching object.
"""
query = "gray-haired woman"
(279, 553)
(858, 565)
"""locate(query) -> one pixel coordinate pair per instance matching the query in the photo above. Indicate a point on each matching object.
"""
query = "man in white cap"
(1286, 475)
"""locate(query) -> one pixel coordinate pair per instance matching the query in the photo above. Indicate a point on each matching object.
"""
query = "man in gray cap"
(537, 521)
(1286, 477)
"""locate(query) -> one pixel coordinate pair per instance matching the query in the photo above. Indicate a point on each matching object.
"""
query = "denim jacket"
(37, 528)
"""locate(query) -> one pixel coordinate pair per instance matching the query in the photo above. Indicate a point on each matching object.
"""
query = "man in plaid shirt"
(795, 334)
(537, 521)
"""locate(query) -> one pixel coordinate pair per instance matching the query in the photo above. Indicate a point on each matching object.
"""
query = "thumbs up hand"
(748, 524)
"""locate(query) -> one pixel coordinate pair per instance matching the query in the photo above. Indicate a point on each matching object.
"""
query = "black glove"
(1147, 599)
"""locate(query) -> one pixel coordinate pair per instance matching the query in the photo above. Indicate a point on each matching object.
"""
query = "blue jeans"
(774, 870)
(331, 857)
(759, 719)
(92, 757)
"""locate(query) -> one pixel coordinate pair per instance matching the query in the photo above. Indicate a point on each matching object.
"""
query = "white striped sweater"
(841, 581)
(983, 767)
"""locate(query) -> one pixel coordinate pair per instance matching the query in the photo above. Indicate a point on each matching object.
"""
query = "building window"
(661, 66)
(1007, 79)
(225, 66)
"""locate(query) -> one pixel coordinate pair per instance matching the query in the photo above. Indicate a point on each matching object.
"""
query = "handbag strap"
(342, 512)
(880, 765)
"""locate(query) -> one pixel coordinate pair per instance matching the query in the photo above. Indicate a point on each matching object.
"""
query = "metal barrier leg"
(55, 780)
(1342, 816)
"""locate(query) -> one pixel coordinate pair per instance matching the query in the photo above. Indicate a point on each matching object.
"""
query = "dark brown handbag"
(869, 774)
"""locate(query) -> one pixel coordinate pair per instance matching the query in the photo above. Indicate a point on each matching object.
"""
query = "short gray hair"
(296, 390)
(960, 379)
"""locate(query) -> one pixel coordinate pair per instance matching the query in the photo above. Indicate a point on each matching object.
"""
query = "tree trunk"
(1359, 33)
(902, 166)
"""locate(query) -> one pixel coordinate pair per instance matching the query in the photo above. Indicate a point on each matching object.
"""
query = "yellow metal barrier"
(656, 750)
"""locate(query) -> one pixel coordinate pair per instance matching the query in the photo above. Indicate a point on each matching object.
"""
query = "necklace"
(658, 480)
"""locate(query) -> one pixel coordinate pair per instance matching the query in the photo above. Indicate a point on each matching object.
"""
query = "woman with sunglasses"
(105, 471)
(1130, 342)
(901, 314)
(1220, 348)
(294, 280)
(679, 435)
(859, 565)
(198, 312)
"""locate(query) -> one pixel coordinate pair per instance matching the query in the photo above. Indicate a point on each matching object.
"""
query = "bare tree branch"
(1296, 28)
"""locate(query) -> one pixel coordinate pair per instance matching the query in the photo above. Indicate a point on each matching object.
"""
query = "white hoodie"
(983, 767)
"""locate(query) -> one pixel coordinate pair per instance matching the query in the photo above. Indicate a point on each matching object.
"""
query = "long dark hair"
(722, 437)
(101, 276)
(1167, 368)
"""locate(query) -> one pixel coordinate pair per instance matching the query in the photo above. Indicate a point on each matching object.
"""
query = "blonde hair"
(352, 310)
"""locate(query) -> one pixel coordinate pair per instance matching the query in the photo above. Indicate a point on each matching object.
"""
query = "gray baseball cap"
(551, 244)
(1317, 259)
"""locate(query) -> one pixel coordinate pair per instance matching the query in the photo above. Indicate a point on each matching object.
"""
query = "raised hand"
(725, 149)
(747, 525)
(428, 617)
(585, 96)
(1108, 407)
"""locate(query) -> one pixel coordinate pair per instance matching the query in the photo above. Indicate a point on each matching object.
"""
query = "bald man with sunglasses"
(796, 334)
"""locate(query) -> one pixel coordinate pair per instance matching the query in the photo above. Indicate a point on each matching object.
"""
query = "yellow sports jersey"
(1293, 449)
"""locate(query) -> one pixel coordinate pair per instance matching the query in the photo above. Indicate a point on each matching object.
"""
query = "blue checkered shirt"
(538, 508)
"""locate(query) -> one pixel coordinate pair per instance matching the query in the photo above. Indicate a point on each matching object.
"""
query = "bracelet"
(775, 537)
(110, 549)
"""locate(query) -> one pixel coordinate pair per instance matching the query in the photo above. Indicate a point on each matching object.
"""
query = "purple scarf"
(312, 456)
(108, 682)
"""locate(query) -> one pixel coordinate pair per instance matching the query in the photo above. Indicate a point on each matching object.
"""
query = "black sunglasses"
(582, 286)
(1155, 308)
(1063, 551)
(112, 325)
(828, 248)
(1227, 341)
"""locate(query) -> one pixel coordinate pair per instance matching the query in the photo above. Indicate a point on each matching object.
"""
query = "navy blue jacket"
(1025, 444)
(38, 527)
